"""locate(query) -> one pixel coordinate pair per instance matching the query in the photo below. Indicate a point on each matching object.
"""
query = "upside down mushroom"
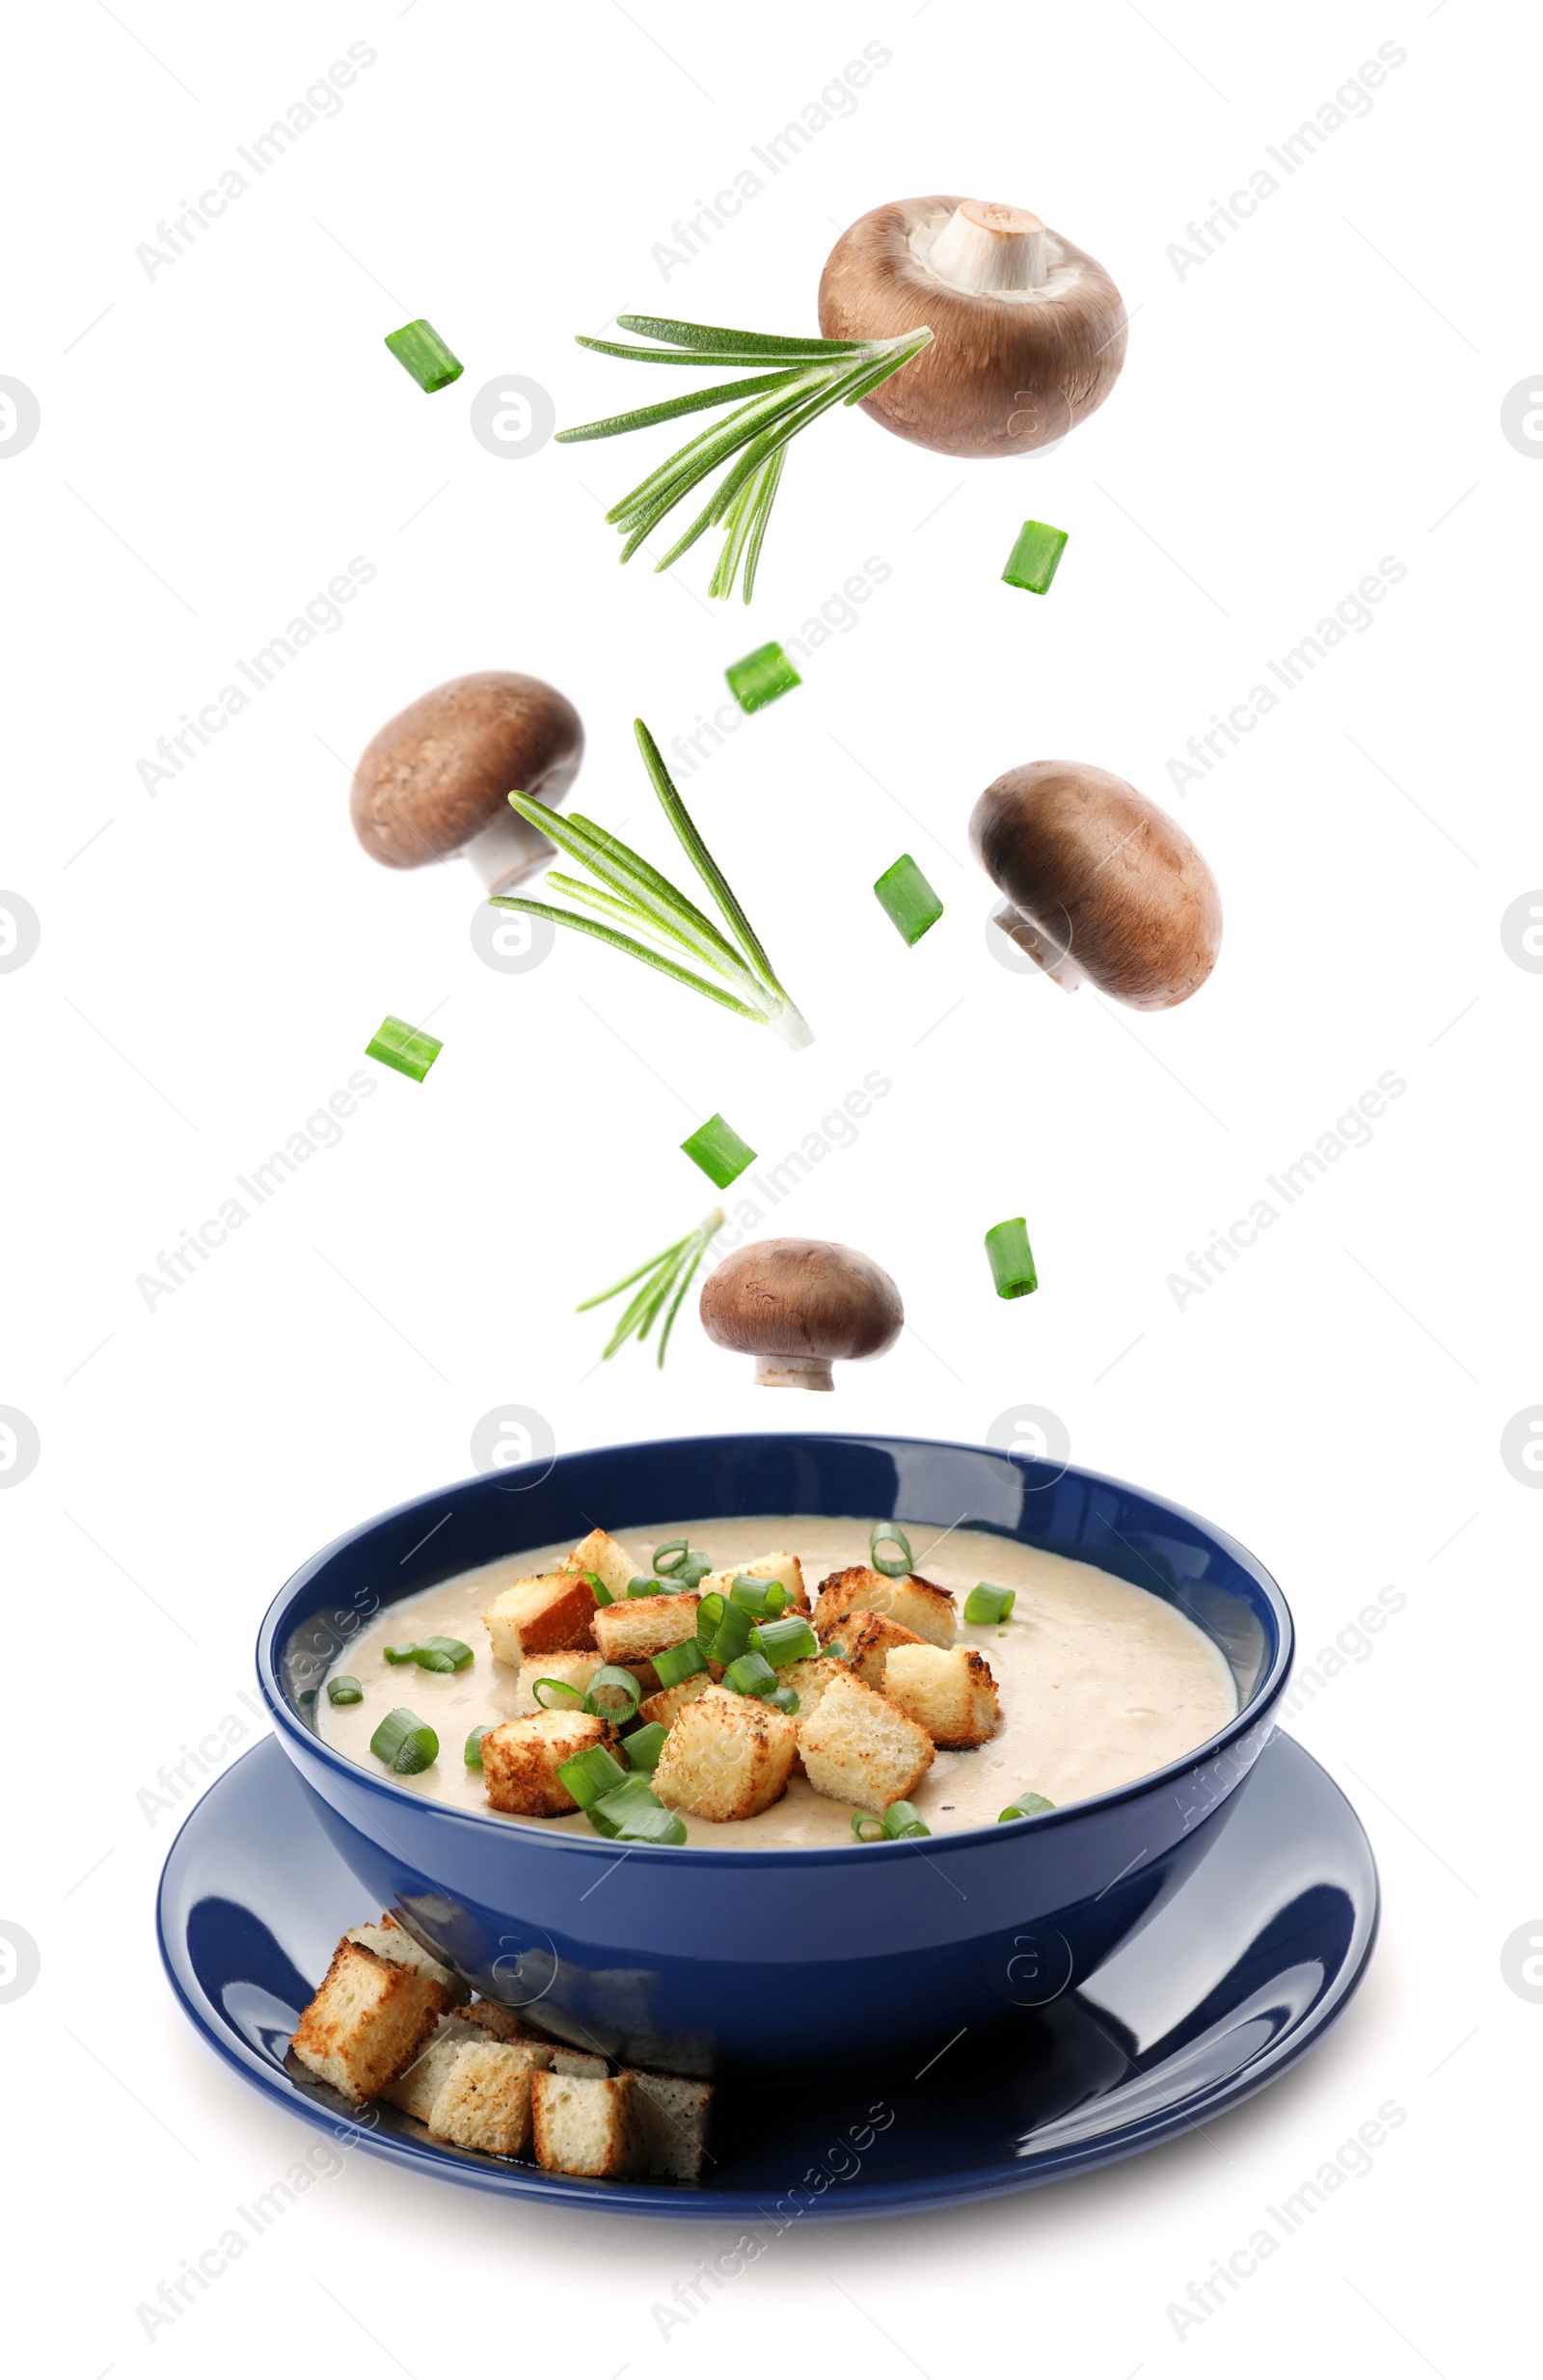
(798, 1306)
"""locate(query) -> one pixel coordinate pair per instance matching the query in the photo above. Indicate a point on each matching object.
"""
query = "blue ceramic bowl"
(702, 1960)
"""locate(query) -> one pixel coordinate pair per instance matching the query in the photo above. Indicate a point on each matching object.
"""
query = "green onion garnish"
(785, 1640)
(682, 1568)
(634, 1814)
(419, 347)
(561, 1696)
(760, 677)
(907, 900)
(794, 381)
(1027, 1805)
(472, 1749)
(679, 1662)
(985, 1604)
(1036, 556)
(665, 1276)
(404, 1743)
(344, 1689)
(646, 903)
(861, 1821)
(901, 1818)
(786, 1700)
(645, 1746)
(708, 1618)
(718, 1149)
(760, 1597)
(443, 1654)
(597, 1587)
(396, 1654)
(733, 1637)
(591, 1773)
(606, 1687)
(399, 1045)
(884, 1533)
(1011, 1259)
(751, 1674)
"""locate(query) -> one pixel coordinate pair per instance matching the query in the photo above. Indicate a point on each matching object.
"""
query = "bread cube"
(673, 2124)
(785, 1568)
(584, 2124)
(952, 1695)
(578, 2062)
(554, 1613)
(644, 1625)
(520, 1760)
(858, 1747)
(368, 2020)
(417, 2087)
(393, 1941)
(575, 1669)
(484, 2099)
(927, 1611)
(604, 1557)
(504, 2025)
(727, 1756)
(666, 1706)
(809, 1679)
(863, 1639)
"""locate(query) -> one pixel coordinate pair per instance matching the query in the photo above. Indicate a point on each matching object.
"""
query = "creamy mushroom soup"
(1100, 1682)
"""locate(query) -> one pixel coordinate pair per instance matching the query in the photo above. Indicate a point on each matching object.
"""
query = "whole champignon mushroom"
(1028, 333)
(1100, 883)
(437, 777)
(798, 1306)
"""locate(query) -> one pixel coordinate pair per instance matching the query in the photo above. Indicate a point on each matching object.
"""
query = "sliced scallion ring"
(985, 1604)
(751, 1674)
(679, 1662)
(645, 1746)
(710, 1612)
(901, 1818)
(344, 1689)
(597, 1587)
(472, 1749)
(564, 1697)
(785, 1640)
(443, 1654)
(861, 1821)
(1027, 1805)
(404, 1743)
(590, 1774)
(762, 1598)
(733, 1636)
(614, 1695)
(785, 1699)
(396, 1654)
(885, 1533)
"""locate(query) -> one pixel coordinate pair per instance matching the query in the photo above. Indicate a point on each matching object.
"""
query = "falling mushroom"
(437, 778)
(1100, 883)
(799, 1305)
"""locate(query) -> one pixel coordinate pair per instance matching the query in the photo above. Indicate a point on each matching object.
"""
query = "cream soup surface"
(1100, 1682)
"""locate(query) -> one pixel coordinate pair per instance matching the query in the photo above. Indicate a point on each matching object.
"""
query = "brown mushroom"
(437, 777)
(1100, 883)
(798, 1306)
(1028, 333)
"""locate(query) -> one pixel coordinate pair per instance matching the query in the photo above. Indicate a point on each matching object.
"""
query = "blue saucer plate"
(1226, 1985)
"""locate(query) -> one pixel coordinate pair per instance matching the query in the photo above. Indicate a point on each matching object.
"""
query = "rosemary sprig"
(671, 1270)
(806, 378)
(631, 890)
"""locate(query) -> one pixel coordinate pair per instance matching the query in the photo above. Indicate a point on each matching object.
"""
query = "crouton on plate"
(417, 2087)
(520, 1760)
(584, 2124)
(927, 1611)
(952, 1695)
(554, 1613)
(499, 2023)
(483, 2100)
(644, 1625)
(605, 1559)
(863, 1639)
(672, 2115)
(858, 1747)
(727, 1756)
(366, 2022)
(390, 1940)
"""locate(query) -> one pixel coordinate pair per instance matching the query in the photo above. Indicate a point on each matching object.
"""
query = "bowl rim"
(489, 1826)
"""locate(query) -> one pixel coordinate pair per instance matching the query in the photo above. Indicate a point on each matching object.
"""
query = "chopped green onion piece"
(786, 1700)
(679, 1551)
(785, 1640)
(404, 1743)
(597, 1587)
(718, 1149)
(985, 1604)
(760, 677)
(882, 1533)
(420, 349)
(756, 1595)
(1027, 1805)
(344, 1689)
(679, 1662)
(861, 1819)
(645, 1746)
(472, 1749)
(636, 1815)
(591, 1773)
(733, 1636)
(401, 1045)
(305, 1697)
(1011, 1259)
(901, 1818)
(907, 900)
(710, 1612)
(640, 1587)
(564, 1695)
(751, 1674)
(396, 1654)
(604, 1686)
(443, 1654)
(1036, 556)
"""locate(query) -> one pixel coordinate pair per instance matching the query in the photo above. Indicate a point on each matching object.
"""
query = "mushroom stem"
(506, 851)
(983, 247)
(1054, 957)
(793, 1371)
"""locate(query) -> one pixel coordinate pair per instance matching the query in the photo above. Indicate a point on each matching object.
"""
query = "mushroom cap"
(796, 1298)
(1103, 875)
(1008, 370)
(442, 771)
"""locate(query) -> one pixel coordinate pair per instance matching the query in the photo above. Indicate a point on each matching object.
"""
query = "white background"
(217, 441)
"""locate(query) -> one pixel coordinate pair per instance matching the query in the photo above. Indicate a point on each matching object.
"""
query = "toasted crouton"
(860, 1749)
(520, 1760)
(554, 1613)
(665, 1707)
(644, 1625)
(366, 2022)
(584, 2124)
(727, 1756)
(417, 2087)
(952, 1695)
(863, 1639)
(484, 2099)
(604, 1557)
(502, 2024)
(390, 1940)
(577, 2062)
(673, 2124)
(927, 1611)
(575, 1669)
(785, 1568)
